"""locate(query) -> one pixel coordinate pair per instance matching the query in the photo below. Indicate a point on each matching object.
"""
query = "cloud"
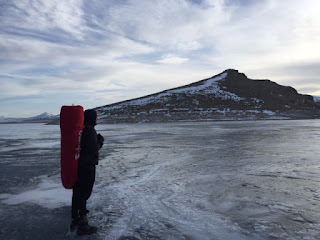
(19, 89)
(172, 59)
(178, 25)
(304, 76)
(30, 66)
(272, 32)
(35, 17)
(33, 51)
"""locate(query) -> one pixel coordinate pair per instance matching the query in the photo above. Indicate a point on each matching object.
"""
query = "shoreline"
(174, 121)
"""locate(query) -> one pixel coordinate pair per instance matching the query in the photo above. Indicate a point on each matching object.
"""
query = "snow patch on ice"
(48, 194)
(270, 113)
(32, 144)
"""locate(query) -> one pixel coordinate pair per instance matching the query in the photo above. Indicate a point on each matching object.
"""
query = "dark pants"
(82, 190)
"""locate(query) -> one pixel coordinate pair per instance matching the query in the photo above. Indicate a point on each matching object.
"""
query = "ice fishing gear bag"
(71, 126)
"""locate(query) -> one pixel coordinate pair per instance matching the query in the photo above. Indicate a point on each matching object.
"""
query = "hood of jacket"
(90, 117)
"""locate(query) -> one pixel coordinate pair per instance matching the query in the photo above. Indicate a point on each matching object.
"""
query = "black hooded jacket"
(91, 142)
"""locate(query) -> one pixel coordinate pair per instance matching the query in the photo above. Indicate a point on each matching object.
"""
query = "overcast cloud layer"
(98, 52)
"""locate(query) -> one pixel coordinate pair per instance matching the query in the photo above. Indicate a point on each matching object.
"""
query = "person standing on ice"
(90, 143)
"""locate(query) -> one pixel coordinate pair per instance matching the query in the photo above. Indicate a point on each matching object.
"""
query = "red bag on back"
(71, 126)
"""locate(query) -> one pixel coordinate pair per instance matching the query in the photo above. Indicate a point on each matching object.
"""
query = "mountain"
(229, 95)
(44, 117)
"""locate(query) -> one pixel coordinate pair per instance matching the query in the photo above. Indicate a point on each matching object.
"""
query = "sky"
(97, 52)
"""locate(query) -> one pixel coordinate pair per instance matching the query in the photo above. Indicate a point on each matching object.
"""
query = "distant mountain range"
(44, 117)
(229, 95)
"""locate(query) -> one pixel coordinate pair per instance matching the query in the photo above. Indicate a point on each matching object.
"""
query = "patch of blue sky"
(6, 76)
(21, 98)
(149, 58)
(196, 1)
(107, 91)
(53, 71)
(242, 3)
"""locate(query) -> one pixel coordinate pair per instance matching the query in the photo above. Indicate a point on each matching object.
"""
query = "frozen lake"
(188, 181)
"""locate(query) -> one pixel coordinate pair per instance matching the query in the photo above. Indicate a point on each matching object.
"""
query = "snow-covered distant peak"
(316, 98)
(42, 117)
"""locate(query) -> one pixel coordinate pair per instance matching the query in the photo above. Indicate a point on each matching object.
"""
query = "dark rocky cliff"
(273, 95)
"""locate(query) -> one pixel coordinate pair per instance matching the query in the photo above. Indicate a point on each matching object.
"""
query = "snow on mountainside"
(316, 98)
(227, 96)
(209, 87)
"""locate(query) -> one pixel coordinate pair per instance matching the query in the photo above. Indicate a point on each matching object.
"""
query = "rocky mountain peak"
(228, 95)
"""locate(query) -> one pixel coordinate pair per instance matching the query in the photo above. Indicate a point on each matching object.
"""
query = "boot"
(84, 227)
(74, 223)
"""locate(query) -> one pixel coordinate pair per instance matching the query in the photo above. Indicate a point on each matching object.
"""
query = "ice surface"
(48, 194)
(195, 180)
